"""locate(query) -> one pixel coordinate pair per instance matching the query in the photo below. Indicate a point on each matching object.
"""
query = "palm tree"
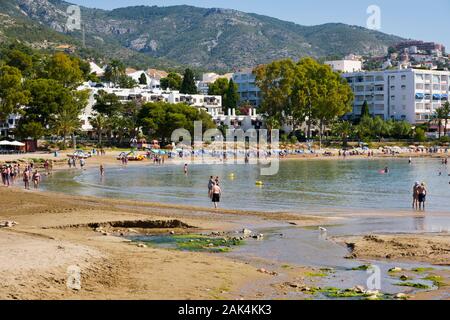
(446, 114)
(344, 130)
(438, 116)
(66, 123)
(99, 123)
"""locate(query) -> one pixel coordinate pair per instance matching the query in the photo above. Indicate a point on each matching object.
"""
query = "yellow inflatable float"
(259, 183)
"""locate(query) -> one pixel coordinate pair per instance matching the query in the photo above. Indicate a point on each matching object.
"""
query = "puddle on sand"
(308, 247)
(189, 242)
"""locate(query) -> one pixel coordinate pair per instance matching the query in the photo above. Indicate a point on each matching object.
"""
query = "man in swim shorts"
(422, 195)
(216, 193)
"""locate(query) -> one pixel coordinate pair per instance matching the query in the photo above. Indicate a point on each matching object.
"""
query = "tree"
(158, 120)
(343, 129)
(33, 130)
(306, 91)
(143, 79)
(231, 97)
(114, 71)
(99, 122)
(54, 106)
(12, 93)
(126, 82)
(172, 81)
(276, 81)
(420, 135)
(19, 60)
(365, 110)
(440, 114)
(445, 115)
(107, 104)
(65, 70)
(66, 122)
(401, 129)
(218, 87)
(188, 85)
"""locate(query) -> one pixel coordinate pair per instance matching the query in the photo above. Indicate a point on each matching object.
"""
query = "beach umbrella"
(5, 143)
(17, 144)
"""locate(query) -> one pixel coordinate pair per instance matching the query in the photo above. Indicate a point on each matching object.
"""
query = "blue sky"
(418, 19)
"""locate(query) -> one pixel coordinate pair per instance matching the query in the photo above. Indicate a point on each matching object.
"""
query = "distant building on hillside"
(345, 65)
(420, 45)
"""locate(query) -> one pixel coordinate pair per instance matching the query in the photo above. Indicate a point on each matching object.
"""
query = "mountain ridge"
(209, 38)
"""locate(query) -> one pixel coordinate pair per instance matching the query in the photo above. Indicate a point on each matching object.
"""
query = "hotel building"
(405, 94)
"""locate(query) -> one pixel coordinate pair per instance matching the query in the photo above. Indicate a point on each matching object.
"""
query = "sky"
(416, 19)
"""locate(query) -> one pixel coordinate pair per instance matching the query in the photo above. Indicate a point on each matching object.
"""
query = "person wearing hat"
(415, 203)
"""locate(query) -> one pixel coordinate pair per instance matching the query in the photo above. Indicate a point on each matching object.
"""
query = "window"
(419, 77)
(403, 77)
(436, 79)
(392, 87)
(403, 87)
(419, 86)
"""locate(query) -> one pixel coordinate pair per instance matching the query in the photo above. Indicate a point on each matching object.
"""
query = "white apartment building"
(405, 94)
(345, 65)
(247, 89)
(244, 122)
(9, 124)
(211, 104)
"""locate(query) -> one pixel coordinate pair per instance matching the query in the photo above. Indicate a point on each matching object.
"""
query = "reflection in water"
(315, 185)
(419, 223)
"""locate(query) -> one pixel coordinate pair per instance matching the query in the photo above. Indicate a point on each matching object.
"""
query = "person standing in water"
(36, 179)
(185, 168)
(210, 185)
(216, 192)
(26, 179)
(422, 195)
(415, 202)
(102, 170)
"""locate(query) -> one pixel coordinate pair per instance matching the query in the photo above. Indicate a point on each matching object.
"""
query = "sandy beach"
(55, 232)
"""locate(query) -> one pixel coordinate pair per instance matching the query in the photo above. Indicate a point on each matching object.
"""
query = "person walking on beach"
(216, 192)
(36, 179)
(422, 195)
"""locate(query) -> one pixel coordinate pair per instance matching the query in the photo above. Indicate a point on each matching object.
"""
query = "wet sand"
(430, 248)
(52, 234)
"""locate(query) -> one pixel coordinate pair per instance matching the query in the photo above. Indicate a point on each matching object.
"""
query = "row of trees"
(47, 86)
(304, 92)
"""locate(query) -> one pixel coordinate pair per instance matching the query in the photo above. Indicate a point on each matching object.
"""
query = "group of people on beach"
(10, 173)
(72, 162)
(214, 190)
